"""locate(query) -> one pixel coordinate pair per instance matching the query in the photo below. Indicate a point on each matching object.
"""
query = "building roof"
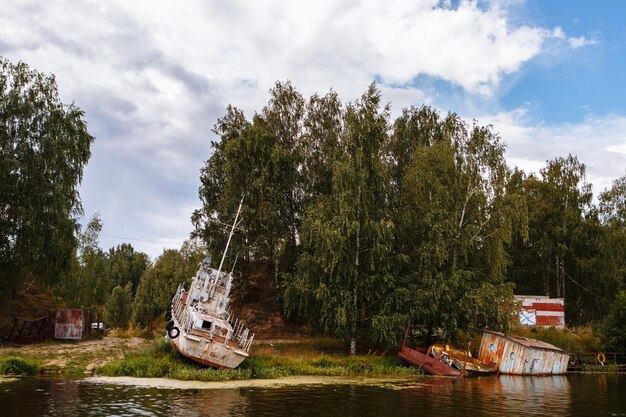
(527, 342)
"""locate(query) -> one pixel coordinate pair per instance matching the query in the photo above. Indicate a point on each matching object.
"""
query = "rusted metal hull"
(428, 363)
(520, 356)
(214, 353)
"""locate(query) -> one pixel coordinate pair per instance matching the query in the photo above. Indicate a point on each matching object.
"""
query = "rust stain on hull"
(521, 356)
(69, 324)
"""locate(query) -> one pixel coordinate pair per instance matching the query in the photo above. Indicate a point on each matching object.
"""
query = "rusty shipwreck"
(499, 353)
(517, 355)
(444, 359)
(200, 325)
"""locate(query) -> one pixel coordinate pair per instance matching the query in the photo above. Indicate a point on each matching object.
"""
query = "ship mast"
(230, 236)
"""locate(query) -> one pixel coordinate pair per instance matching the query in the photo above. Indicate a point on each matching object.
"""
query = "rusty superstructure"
(522, 356)
(200, 325)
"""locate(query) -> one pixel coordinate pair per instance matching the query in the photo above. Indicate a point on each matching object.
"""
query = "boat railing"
(219, 312)
(241, 335)
(182, 314)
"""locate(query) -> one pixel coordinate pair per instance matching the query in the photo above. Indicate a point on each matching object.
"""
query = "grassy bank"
(275, 360)
(65, 357)
(129, 355)
(18, 365)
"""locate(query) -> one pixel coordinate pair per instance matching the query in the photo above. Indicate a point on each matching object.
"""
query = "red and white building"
(541, 310)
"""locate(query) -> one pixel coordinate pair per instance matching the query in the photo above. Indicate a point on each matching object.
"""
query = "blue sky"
(568, 85)
(153, 77)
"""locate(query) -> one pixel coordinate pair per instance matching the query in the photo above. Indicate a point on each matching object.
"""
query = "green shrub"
(614, 325)
(17, 366)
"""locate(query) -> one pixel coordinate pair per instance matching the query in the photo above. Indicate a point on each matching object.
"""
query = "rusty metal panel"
(69, 324)
(521, 356)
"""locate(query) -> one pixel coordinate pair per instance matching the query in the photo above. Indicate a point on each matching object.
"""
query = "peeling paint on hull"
(521, 356)
(208, 352)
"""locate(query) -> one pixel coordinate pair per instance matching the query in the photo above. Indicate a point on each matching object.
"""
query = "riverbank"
(166, 383)
(66, 357)
(125, 355)
(269, 360)
(141, 358)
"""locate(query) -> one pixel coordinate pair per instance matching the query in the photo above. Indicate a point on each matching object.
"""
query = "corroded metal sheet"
(522, 356)
(69, 324)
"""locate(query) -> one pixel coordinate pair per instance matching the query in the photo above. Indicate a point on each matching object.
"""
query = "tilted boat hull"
(207, 352)
(428, 363)
(200, 325)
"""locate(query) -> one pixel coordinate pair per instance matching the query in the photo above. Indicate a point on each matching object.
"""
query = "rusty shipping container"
(70, 323)
(522, 356)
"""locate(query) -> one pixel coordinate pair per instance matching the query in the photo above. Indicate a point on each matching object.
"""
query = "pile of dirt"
(257, 304)
(32, 309)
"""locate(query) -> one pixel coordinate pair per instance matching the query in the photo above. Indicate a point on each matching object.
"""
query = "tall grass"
(18, 366)
(577, 339)
(160, 360)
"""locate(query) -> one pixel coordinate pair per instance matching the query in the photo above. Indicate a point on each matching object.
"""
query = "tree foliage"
(159, 281)
(369, 224)
(44, 147)
(614, 325)
(454, 218)
(563, 227)
(346, 235)
(365, 218)
(118, 307)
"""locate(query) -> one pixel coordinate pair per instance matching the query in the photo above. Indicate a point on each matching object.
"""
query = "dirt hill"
(254, 301)
(256, 304)
(33, 302)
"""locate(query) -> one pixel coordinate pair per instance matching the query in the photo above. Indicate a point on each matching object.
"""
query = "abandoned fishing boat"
(445, 360)
(200, 325)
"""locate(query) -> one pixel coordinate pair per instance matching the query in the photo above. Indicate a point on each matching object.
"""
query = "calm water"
(576, 395)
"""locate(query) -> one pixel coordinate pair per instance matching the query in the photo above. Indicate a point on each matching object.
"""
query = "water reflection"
(579, 395)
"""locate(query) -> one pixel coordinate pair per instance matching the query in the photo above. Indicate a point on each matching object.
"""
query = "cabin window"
(512, 355)
(206, 324)
(492, 347)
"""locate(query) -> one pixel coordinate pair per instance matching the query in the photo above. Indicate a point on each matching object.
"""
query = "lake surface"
(572, 395)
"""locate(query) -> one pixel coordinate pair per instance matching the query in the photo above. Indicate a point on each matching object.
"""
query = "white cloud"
(153, 77)
(598, 142)
(581, 42)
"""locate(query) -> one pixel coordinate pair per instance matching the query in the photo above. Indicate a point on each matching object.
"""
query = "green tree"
(563, 226)
(160, 281)
(346, 235)
(44, 147)
(118, 308)
(149, 300)
(612, 245)
(88, 283)
(259, 160)
(126, 266)
(614, 325)
(454, 219)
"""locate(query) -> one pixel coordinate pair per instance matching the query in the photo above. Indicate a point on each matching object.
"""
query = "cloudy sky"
(153, 77)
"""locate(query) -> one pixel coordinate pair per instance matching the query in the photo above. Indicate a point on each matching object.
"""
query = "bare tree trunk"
(353, 346)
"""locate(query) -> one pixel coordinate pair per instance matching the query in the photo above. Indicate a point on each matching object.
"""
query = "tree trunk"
(353, 346)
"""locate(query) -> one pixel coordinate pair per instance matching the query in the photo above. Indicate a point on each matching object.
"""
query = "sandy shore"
(390, 383)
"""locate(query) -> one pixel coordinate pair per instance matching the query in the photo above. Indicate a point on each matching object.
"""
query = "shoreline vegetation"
(155, 358)
(128, 356)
